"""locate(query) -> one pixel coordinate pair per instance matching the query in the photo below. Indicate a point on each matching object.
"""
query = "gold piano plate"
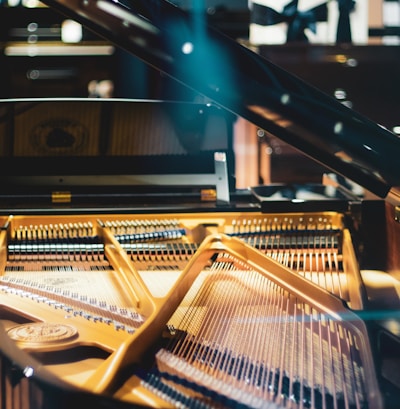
(175, 294)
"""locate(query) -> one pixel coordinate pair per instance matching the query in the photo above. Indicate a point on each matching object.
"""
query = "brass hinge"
(61, 197)
(397, 214)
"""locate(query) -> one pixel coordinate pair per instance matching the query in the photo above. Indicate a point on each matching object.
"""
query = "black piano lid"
(185, 48)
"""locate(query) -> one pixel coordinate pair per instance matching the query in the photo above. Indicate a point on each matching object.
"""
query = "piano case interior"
(134, 274)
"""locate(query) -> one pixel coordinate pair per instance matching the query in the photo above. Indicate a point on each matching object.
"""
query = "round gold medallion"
(42, 333)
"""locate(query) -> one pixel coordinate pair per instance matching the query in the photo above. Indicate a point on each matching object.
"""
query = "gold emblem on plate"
(42, 333)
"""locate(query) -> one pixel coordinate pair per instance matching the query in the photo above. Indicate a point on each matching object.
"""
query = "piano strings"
(238, 336)
(242, 336)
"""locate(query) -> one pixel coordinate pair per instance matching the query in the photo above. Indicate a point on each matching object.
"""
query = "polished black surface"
(112, 151)
(362, 77)
(183, 46)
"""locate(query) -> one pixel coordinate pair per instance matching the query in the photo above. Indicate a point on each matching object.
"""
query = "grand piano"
(134, 274)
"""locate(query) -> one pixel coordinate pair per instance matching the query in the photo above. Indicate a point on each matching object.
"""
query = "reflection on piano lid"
(133, 148)
(182, 46)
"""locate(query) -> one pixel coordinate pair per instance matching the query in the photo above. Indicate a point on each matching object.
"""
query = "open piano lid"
(185, 48)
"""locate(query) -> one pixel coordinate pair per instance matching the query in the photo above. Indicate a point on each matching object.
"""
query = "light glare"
(187, 48)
